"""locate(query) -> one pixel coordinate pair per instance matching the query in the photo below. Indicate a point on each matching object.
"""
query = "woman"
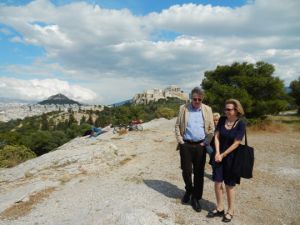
(229, 134)
(216, 118)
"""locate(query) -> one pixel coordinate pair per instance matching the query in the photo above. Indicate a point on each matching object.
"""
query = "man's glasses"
(197, 99)
(228, 110)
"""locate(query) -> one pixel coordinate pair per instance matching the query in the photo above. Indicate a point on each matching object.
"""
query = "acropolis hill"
(156, 94)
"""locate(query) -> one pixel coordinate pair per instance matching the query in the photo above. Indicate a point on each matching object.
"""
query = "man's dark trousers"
(192, 158)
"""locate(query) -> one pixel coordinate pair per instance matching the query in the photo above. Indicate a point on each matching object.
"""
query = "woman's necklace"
(229, 124)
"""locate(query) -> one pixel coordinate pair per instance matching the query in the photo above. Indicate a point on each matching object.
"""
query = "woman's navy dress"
(222, 172)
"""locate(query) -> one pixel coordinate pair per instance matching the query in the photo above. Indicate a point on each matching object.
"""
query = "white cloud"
(107, 47)
(36, 89)
(5, 31)
(16, 39)
(262, 17)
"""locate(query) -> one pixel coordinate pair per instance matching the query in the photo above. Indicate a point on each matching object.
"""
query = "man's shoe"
(196, 205)
(186, 198)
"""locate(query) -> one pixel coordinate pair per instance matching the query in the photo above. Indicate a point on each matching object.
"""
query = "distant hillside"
(58, 99)
(122, 103)
(12, 100)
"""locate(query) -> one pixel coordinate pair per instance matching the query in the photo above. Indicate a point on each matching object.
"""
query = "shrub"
(165, 112)
(12, 155)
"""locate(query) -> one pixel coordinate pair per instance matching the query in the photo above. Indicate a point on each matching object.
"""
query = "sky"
(105, 51)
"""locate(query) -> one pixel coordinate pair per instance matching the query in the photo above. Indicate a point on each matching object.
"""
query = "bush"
(165, 112)
(12, 155)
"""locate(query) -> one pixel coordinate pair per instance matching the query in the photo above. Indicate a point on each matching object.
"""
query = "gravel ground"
(135, 179)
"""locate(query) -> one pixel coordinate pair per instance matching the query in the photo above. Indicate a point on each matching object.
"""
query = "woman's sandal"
(227, 218)
(214, 213)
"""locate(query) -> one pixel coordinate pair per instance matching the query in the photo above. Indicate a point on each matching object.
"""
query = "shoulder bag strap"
(230, 128)
(246, 143)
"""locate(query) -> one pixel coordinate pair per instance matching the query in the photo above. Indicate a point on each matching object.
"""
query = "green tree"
(295, 91)
(71, 119)
(40, 142)
(61, 125)
(45, 124)
(51, 124)
(90, 119)
(83, 120)
(253, 85)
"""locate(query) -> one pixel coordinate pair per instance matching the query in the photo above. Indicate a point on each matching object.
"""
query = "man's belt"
(193, 142)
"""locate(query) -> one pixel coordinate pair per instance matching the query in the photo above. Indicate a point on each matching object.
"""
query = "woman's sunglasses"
(227, 109)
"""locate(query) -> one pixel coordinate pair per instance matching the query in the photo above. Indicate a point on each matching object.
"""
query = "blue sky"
(95, 46)
(137, 6)
(16, 53)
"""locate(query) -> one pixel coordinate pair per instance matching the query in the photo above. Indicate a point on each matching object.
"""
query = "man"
(194, 123)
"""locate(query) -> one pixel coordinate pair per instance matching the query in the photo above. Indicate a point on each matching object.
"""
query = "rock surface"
(135, 178)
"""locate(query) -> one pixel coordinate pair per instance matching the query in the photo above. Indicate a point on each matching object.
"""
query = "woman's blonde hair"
(216, 115)
(237, 105)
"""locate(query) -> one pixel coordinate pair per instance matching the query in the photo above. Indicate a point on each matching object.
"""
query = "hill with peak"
(59, 99)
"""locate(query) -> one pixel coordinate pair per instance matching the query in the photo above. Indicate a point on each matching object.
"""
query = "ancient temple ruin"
(156, 94)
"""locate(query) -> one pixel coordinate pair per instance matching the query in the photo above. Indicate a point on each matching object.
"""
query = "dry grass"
(55, 165)
(117, 138)
(65, 178)
(268, 126)
(124, 161)
(277, 124)
(134, 179)
(24, 208)
(162, 215)
(122, 131)
(294, 118)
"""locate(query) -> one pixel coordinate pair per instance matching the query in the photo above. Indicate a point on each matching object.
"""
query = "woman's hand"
(218, 157)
